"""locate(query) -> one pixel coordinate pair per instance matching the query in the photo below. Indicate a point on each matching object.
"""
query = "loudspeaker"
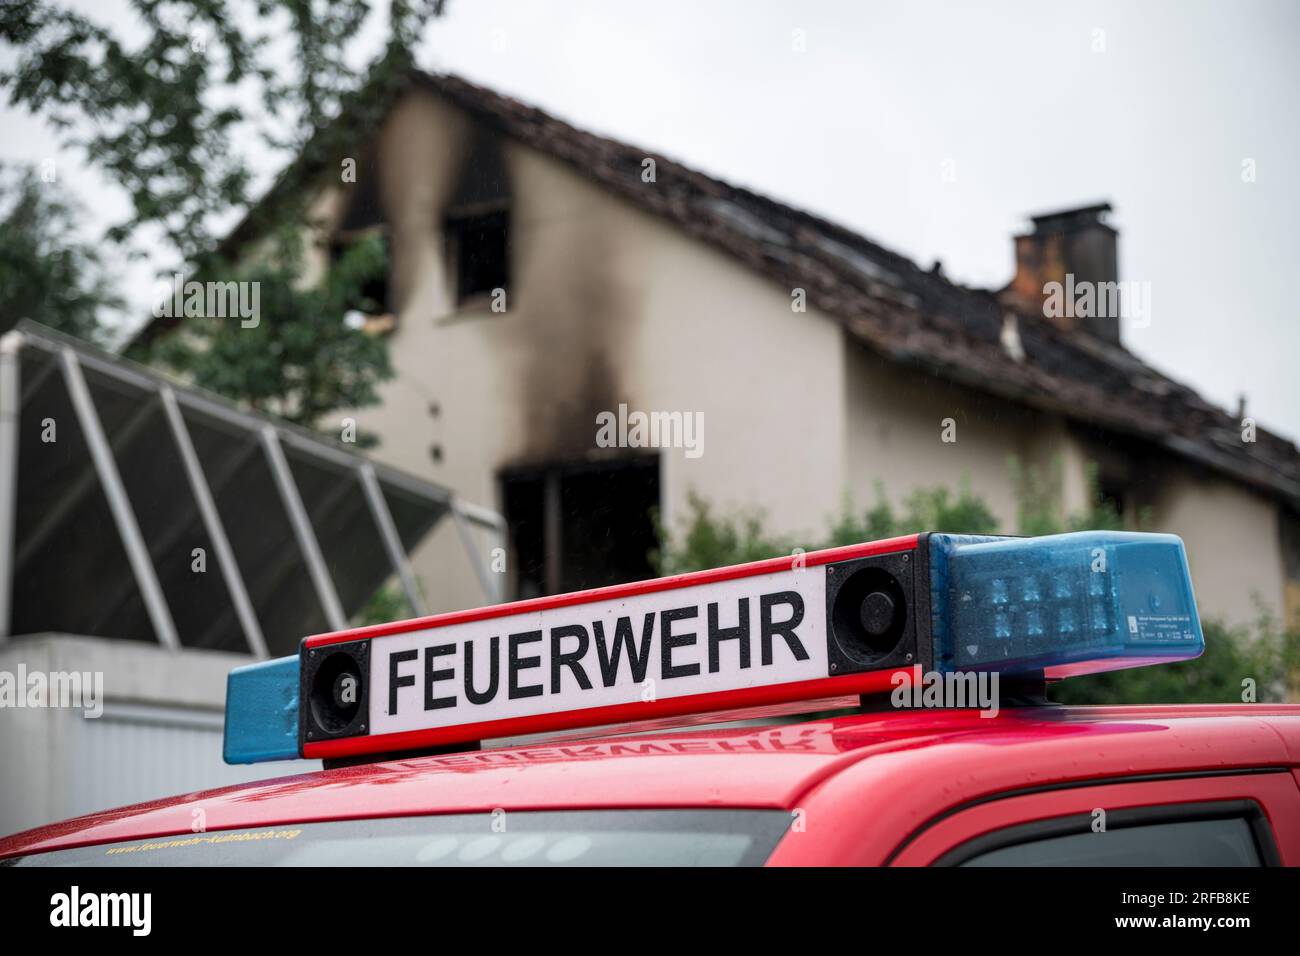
(871, 613)
(334, 691)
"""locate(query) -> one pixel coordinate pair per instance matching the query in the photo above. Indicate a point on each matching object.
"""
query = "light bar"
(826, 624)
(1064, 605)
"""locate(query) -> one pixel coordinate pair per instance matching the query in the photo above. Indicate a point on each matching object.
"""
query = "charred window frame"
(580, 525)
(1115, 493)
(478, 250)
(477, 222)
(1121, 474)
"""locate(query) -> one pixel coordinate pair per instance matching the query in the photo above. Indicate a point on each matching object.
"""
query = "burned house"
(541, 276)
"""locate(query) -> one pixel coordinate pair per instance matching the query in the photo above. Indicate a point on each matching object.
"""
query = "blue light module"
(1063, 604)
(262, 711)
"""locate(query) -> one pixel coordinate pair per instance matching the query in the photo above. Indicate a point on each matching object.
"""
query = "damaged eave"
(966, 362)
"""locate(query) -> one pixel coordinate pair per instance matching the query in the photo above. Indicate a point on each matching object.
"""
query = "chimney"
(1077, 249)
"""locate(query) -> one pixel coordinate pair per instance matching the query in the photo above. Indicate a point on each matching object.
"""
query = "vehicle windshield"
(499, 838)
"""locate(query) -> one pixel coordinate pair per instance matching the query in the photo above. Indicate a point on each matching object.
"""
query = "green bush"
(388, 603)
(1038, 512)
(712, 540)
(925, 509)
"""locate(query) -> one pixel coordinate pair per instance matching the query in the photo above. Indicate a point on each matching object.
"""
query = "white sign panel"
(746, 632)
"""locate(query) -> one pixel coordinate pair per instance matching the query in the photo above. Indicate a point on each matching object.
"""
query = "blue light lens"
(1063, 604)
(262, 712)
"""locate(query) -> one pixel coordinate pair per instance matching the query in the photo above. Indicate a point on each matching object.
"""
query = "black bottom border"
(938, 907)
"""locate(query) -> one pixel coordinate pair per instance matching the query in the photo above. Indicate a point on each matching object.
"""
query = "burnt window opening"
(581, 526)
(1113, 495)
(477, 222)
(479, 247)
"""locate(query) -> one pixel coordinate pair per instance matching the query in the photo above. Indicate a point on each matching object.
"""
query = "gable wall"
(606, 305)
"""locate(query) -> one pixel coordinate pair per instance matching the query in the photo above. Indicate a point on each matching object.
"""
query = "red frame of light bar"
(872, 681)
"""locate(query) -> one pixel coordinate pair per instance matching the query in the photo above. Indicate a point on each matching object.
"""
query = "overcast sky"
(1152, 106)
